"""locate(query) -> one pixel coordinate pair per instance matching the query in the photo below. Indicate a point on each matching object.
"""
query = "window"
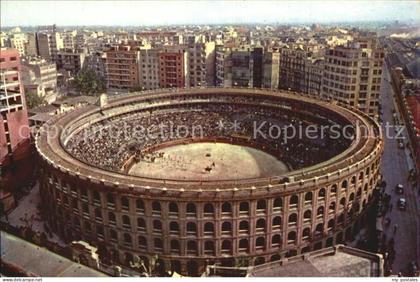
(277, 223)
(261, 206)
(127, 240)
(277, 204)
(226, 208)
(243, 226)
(260, 225)
(208, 229)
(294, 201)
(126, 222)
(209, 248)
(291, 237)
(158, 244)
(111, 201)
(307, 216)
(141, 224)
(293, 219)
(174, 228)
(226, 247)
(243, 245)
(156, 208)
(191, 210)
(174, 246)
(125, 204)
(142, 242)
(226, 228)
(140, 206)
(191, 228)
(157, 226)
(308, 198)
(208, 210)
(173, 209)
(276, 240)
(243, 208)
(192, 248)
(321, 194)
(260, 243)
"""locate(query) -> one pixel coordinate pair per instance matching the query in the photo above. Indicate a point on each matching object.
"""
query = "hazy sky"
(19, 13)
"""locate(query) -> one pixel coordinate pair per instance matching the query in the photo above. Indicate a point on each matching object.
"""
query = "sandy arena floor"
(210, 161)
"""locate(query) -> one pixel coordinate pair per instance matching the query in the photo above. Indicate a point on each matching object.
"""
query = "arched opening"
(208, 210)
(126, 222)
(158, 245)
(243, 246)
(277, 204)
(260, 244)
(125, 204)
(291, 237)
(226, 228)
(294, 199)
(174, 228)
(321, 194)
(175, 247)
(140, 206)
(276, 223)
(156, 208)
(276, 240)
(142, 242)
(173, 209)
(191, 210)
(292, 219)
(244, 208)
(308, 198)
(260, 225)
(261, 206)
(191, 228)
(192, 248)
(141, 224)
(157, 226)
(243, 227)
(208, 229)
(226, 209)
(226, 247)
(209, 248)
(306, 234)
(307, 216)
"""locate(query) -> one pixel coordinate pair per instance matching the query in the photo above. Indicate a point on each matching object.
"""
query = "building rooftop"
(338, 261)
(34, 260)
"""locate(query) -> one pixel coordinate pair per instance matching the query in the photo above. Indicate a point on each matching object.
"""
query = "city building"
(40, 78)
(48, 44)
(271, 65)
(14, 129)
(173, 67)
(122, 67)
(70, 61)
(352, 74)
(18, 41)
(149, 68)
(201, 56)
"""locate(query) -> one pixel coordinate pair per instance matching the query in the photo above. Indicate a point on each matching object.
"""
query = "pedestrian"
(395, 228)
(390, 207)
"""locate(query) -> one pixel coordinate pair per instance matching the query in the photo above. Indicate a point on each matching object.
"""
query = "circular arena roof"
(72, 142)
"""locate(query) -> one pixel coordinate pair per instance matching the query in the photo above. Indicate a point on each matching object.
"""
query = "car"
(399, 189)
(402, 204)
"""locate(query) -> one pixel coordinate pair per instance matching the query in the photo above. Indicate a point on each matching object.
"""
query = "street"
(395, 167)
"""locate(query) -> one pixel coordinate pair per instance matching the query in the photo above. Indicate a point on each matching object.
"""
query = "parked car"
(399, 189)
(402, 204)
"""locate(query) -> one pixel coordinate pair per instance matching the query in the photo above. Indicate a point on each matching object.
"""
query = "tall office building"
(149, 68)
(352, 73)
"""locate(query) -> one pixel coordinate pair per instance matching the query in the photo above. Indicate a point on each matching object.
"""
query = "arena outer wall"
(191, 224)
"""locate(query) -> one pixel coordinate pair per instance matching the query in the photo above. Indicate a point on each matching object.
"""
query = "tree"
(88, 82)
(33, 100)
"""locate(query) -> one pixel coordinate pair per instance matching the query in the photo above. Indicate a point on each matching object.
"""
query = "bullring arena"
(124, 177)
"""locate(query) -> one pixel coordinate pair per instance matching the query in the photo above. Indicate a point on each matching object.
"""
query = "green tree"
(88, 82)
(33, 100)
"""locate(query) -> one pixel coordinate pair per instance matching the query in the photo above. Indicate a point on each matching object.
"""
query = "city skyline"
(129, 13)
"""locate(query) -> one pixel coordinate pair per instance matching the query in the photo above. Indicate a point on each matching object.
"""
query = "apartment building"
(222, 62)
(314, 69)
(70, 61)
(201, 56)
(14, 129)
(173, 67)
(18, 41)
(352, 73)
(40, 77)
(49, 43)
(292, 67)
(122, 67)
(149, 68)
(271, 67)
